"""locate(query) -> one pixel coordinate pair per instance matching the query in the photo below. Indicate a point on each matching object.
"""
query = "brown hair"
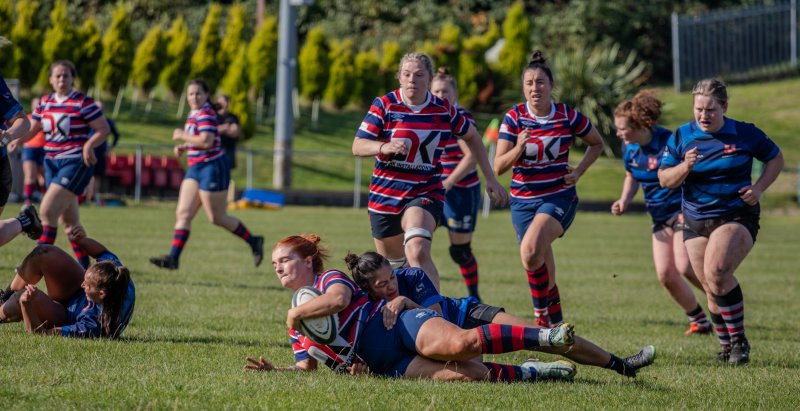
(114, 281)
(306, 245)
(642, 111)
(363, 268)
(538, 62)
(65, 63)
(423, 58)
(443, 74)
(713, 88)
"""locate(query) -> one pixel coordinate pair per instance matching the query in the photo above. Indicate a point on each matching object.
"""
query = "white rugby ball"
(321, 330)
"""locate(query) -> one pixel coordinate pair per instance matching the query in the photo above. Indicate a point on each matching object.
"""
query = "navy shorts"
(33, 154)
(748, 216)
(69, 173)
(389, 225)
(388, 352)
(561, 208)
(461, 208)
(675, 223)
(6, 180)
(213, 175)
(100, 153)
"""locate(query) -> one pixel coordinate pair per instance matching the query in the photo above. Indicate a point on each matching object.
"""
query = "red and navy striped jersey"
(540, 171)
(65, 122)
(724, 165)
(349, 324)
(203, 120)
(452, 156)
(426, 130)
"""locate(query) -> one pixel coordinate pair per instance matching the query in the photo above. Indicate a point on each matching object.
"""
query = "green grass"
(192, 328)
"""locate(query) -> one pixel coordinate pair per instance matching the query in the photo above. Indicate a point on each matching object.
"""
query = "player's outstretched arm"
(263, 365)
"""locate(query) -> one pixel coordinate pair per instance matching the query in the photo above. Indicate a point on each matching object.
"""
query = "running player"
(420, 345)
(635, 121)
(407, 288)
(407, 131)
(535, 138)
(97, 302)
(711, 159)
(66, 116)
(206, 181)
(462, 188)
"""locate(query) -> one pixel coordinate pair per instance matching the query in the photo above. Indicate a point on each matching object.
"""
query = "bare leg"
(62, 274)
(667, 271)
(418, 249)
(215, 205)
(9, 229)
(421, 367)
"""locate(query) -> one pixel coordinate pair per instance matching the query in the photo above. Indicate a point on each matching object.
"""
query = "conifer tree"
(90, 47)
(205, 64)
(315, 64)
(473, 70)
(148, 60)
(6, 24)
(178, 52)
(236, 86)
(234, 35)
(341, 78)
(517, 47)
(115, 61)
(27, 47)
(390, 59)
(368, 82)
(59, 40)
(262, 54)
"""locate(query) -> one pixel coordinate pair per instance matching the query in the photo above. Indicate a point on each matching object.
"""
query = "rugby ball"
(321, 330)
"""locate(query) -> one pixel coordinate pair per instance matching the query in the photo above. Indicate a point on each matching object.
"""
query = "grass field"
(192, 328)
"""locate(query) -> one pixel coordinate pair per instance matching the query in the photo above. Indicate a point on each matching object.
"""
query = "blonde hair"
(713, 88)
(421, 58)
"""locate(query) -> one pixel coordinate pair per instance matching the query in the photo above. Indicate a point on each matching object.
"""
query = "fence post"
(249, 184)
(793, 31)
(487, 199)
(676, 53)
(357, 184)
(797, 178)
(137, 188)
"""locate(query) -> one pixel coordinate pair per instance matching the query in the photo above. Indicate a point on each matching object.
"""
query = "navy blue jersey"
(643, 162)
(9, 107)
(724, 165)
(415, 285)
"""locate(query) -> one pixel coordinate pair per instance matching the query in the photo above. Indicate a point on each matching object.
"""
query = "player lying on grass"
(409, 288)
(420, 345)
(95, 303)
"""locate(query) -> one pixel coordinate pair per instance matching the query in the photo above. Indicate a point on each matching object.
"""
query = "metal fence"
(735, 44)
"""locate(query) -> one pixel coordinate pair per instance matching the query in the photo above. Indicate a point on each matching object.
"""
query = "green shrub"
(178, 53)
(149, 60)
(205, 64)
(115, 61)
(262, 54)
(341, 80)
(314, 64)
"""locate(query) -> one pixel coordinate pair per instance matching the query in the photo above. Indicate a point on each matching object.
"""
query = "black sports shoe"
(165, 261)
(740, 352)
(258, 250)
(643, 358)
(34, 229)
(724, 354)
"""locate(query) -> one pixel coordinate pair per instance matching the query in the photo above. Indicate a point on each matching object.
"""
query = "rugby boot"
(694, 328)
(643, 358)
(740, 352)
(557, 370)
(258, 250)
(165, 261)
(34, 228)
(724, 354)
(564, 334)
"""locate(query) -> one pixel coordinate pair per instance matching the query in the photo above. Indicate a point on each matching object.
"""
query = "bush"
(205, 64)
(59, 40)
(234, 84)
(234, 35)
(90, 49)
(149, 60)
(368, 82)
(27, 47)
(262, 54)
(516, 31)
(390, 58)
(178, 52)
(115, 61)
(342, 78)
(315, 64)
(473, 72)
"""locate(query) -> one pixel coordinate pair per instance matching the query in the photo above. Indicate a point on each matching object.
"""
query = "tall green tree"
(90, 47)
(368, 82)
(235, 85)
(59, 40)
(6, 24)
(315, 64)
(148, 60)
(473, 72)
(262, 54)
(178, 52)
(448, 48)
(341, 78)
(115, 61)
(205, 64)
(517, 47)
(234, 35)
(27, 38)
(390, 59)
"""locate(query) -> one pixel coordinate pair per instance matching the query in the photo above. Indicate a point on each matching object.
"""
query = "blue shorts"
(561, 208)
(213, 175)
(33, 154)
(69, 173)
(461, 208)
(388, 352)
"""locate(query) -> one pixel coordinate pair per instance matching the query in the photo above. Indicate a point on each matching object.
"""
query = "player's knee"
(417, 244)
(531, 260)
(461, 253)
(417, 234)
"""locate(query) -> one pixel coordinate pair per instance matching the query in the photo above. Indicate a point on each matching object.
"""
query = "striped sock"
(501, 338)
(179, 239)
(720, 329)
(27, 193)
(731, 307)
(554, 309)
(469, 271)
(82, 258)
(244, 233)
(537, 281)
(507, 373)
(697, 316)
(48, 235)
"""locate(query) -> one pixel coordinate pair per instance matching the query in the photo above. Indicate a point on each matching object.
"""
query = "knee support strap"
(416, 232)
(396, 263)
(460, 253)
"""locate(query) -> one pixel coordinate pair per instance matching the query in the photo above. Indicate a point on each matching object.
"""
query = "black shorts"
(748, 216)
(479, 314)
(675, 223)
(390, 225)
(5, 180)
